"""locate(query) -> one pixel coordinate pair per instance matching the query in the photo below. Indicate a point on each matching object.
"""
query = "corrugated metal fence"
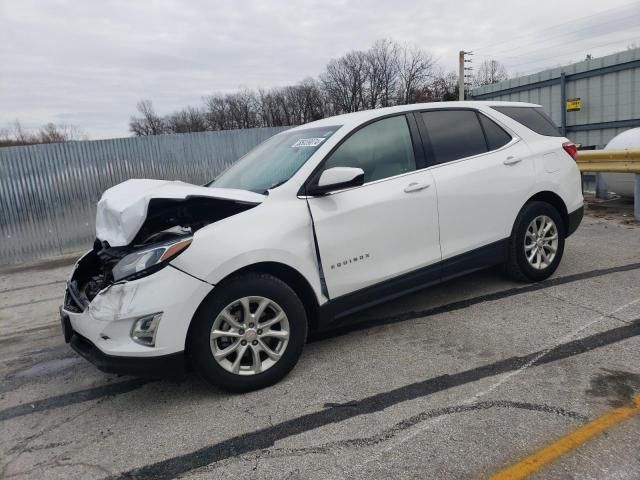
(48, 193)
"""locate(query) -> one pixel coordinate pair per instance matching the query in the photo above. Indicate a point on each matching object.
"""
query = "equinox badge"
(347, 261)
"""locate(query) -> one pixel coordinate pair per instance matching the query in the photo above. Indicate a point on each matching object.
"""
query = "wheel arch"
(289, 275)
(555, 201)
(298, 283)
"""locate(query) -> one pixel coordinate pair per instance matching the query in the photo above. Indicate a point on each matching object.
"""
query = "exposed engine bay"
(168, 220)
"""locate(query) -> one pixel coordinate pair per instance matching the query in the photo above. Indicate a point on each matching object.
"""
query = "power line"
(500, 53)
(544, 67)
(584, 49)
(558, 25)
(528, 54)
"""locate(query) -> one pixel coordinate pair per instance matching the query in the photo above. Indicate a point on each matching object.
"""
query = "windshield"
(274, 161)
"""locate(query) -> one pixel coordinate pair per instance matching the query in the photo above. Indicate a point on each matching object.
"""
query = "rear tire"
(536, 244)
(248, 333)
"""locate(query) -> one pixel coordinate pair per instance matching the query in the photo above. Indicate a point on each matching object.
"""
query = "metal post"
(636, 198)
(601, 187)
(461, 75)
(563, 104)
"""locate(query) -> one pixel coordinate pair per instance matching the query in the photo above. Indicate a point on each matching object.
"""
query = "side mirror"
(336, 178)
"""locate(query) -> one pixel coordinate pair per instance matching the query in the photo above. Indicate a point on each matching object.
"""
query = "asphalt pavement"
(459, 381)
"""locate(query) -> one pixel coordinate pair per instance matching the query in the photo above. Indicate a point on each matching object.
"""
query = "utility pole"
(462, 75)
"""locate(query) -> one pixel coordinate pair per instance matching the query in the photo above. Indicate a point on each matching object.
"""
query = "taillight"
(571, 148)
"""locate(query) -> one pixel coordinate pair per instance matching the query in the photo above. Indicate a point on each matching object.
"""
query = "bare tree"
(312, 101)
(344, 82)
(217, 112)
(243, 109)
(150, 123)
(490, 71)
(415, 68)
(384, 75)
(383, 60)
(5, 138)
(73, 133)
(443, 87)
(16, 135)
(22, 137)
(292, 104)
(51, 134)
(187, 120)
(269, 104)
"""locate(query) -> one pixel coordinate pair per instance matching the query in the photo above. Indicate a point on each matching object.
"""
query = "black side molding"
(575, 218)
(366, 297)
(482, 257)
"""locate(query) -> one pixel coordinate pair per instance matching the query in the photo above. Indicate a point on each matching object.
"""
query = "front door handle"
(512, 160)
(416, 187)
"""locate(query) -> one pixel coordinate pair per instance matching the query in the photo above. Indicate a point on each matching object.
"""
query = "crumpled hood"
(122, 210)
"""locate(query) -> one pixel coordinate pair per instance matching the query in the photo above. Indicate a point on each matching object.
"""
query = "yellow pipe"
(610, 167)
(581, 161)
(614, 161)
(632, 154)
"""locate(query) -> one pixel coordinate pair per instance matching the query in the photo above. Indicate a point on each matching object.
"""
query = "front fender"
(277, 231)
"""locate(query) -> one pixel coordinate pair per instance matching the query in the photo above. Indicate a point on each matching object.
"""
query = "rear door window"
(454, 134)
(496, 136)
(533, 118)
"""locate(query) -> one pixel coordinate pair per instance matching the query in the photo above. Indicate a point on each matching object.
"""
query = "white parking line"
(505, 378)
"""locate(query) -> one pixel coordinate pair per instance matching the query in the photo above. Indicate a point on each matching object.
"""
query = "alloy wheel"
(541, 242)
(249, 335)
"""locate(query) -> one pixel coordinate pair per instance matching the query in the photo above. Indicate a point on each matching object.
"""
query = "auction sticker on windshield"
(308, 142)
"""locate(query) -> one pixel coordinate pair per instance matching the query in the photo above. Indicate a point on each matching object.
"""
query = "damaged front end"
(141, 225)
(104, 266)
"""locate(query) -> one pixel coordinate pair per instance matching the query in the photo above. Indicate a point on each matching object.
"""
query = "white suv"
(315, 223)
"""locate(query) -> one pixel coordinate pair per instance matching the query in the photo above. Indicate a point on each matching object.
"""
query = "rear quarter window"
(533, 118)
(495, 134)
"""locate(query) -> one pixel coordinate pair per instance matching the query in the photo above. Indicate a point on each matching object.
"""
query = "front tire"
(536, 244)
(249, 333)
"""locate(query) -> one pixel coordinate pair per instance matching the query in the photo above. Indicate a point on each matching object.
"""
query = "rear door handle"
(512, 160)
(416, 187)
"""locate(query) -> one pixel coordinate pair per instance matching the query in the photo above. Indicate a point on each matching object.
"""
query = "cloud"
(88, 63)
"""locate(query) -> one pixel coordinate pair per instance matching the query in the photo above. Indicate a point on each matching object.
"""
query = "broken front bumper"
(100, 330)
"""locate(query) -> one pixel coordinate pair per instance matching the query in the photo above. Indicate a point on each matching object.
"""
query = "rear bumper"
(575, 218)
(172, 365)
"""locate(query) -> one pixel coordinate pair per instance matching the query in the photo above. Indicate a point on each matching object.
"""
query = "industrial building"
(591, 101)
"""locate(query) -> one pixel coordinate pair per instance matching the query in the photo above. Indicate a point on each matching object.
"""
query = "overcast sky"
(87, 63)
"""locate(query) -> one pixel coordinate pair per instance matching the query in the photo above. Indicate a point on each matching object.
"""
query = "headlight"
(148, 261)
